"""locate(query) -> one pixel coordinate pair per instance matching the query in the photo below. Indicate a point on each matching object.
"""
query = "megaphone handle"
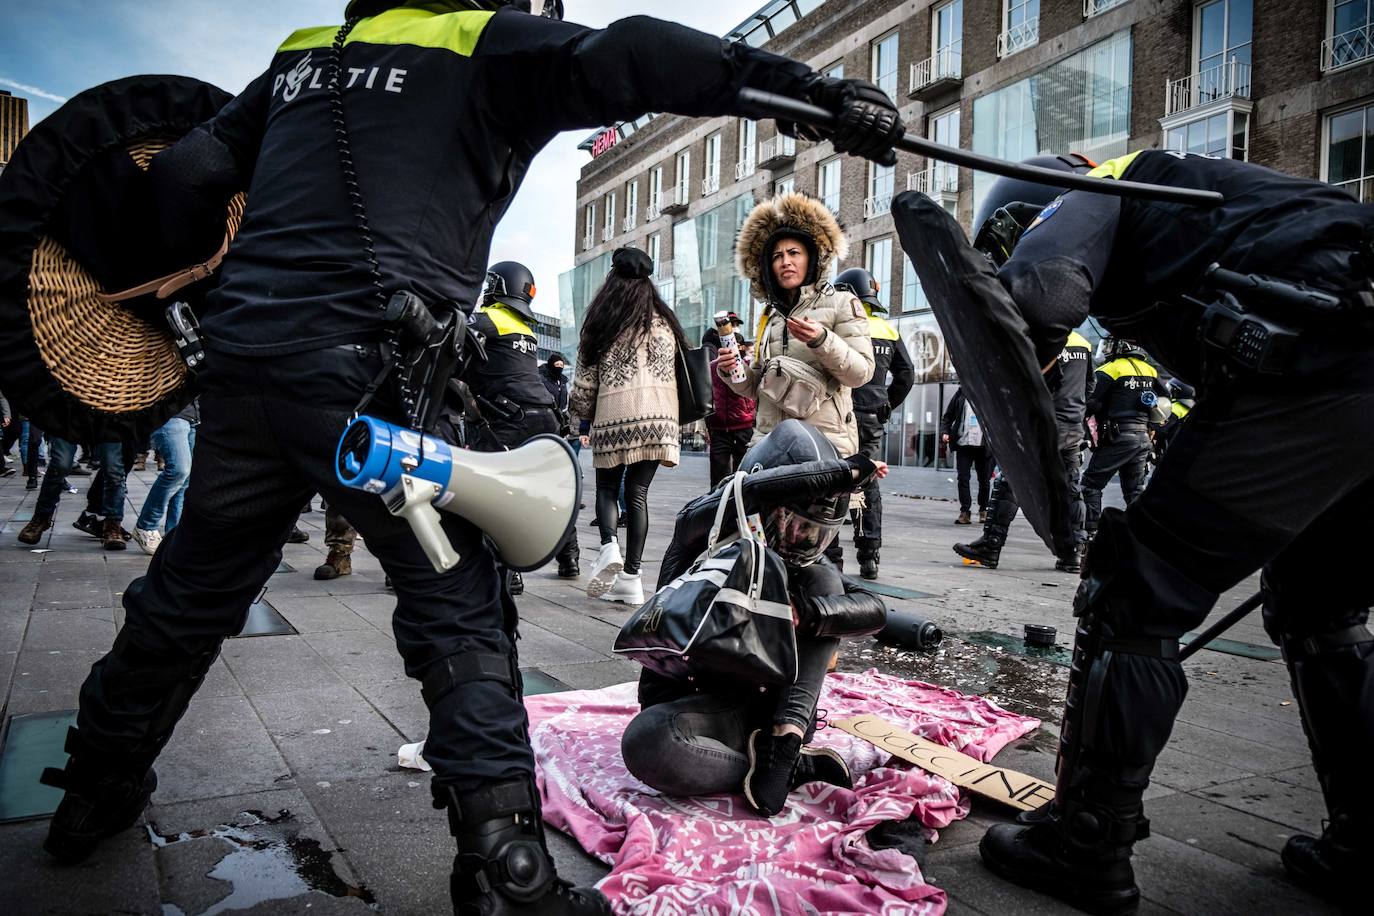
(412, 500)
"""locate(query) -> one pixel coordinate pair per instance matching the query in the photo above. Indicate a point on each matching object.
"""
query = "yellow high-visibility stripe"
(506, 321)
(456, 31)
(878, 326)
(1114, 168)
(1077, 340)
(1127, 365)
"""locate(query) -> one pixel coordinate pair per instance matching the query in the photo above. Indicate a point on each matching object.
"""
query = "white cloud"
(32, 90)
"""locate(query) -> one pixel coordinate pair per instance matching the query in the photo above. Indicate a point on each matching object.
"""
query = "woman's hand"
(882, 469)
(586, 441)
(727, 360)
(804, 329)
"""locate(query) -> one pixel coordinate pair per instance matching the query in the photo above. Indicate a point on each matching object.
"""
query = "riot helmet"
(511, 284)
(548, 9)
(1110, 348)
(1012, 204)
(798, 532)
(861, 283)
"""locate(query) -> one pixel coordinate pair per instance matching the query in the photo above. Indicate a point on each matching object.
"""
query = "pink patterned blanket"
(713, 855)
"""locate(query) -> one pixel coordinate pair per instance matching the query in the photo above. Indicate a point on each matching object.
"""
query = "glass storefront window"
(704, 277)
(1081, 104)
(1350, 151)
(878, 262)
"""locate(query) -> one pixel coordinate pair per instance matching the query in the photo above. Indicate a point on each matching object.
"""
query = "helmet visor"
(801, 536)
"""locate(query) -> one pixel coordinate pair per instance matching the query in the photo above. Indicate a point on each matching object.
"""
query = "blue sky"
(53, 49)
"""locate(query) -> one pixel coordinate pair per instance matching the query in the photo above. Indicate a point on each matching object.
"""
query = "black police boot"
(983, 552)
(503, 867)
(867, 552)
(1335, 864)
(1070, 561)
(516, 583)
(100, 801)
(868, 566)
(570, 562)
(1075, 859)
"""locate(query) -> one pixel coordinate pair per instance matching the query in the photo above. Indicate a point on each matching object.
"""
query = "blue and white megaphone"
(525, 500)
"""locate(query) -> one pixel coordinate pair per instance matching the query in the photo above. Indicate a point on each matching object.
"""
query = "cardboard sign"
(1009, 787)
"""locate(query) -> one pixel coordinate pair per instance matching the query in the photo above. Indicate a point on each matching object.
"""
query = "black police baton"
(779, 107)
(1221, 626)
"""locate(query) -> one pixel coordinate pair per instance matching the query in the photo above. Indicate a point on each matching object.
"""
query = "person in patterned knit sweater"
(626, 386)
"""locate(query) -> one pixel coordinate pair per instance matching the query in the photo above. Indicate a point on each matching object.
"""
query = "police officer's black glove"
(868, 122)
(884, 413)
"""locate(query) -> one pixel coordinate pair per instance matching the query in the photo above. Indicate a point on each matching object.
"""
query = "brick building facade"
(14, 124)
(1284, 83)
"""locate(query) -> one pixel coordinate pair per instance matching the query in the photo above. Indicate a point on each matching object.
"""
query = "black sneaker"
(772, 763)
(297, 536)
(868, 567)
(90, 523)
(822, 764)
(32, 484)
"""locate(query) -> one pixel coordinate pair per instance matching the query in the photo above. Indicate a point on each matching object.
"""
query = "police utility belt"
(1254, 323)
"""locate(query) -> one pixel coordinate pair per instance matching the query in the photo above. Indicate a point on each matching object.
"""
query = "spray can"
(737, 374)
(910, 631)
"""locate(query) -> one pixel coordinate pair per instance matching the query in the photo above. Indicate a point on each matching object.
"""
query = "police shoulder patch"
(857, 308)
(1046, 213)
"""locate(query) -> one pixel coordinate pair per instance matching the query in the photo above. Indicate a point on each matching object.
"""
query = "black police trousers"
(726, 448)
(266, 443)
(868, 521)
(1121, 448)
(501, 434)
(1002, 507)
(1271, 475)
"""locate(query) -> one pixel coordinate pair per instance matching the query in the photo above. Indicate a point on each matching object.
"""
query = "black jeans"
(968, 458)
(637, 478)
(1003, 506)
(698, 744)
(727, 448)
(266, 443)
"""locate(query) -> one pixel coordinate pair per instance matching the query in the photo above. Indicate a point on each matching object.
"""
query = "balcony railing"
(655, 210)
(942, 67)
(588, 241)
(1362, 189)
(676, 200)
(934, 181)
(776, 151)
(879, 205)
(744, 168)
(607, 233)
(1230, 80)
(1092, 7)
(1018, 37)
(628, 223)
(1348, 48)
(710, 184)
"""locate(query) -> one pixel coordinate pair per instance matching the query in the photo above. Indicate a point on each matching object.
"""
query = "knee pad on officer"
(448, 674)
(1335, 632)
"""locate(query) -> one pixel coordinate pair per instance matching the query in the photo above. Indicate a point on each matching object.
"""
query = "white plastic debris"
(409, 757)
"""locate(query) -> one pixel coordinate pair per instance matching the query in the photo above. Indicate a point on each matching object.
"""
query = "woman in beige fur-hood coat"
(809, 381)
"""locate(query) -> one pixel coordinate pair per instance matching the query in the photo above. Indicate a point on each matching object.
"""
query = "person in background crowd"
(174, 441)
(813, 346)
(340, 538)
(960, 429)
(31, 450)
(7, 438)
(626, 386)
(873, 406)
(730, 424)
(107, 489)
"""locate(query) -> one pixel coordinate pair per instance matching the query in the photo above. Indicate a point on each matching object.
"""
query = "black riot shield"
(78, 228)
(988, 342)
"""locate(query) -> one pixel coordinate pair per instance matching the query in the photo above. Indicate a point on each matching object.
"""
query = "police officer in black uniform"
(513, 403)
(1271, 468)
(873, 405)
(1073, 385)
(442, 106)
(1125, 391)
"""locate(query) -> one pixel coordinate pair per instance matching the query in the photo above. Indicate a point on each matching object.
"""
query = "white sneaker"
(608, 563)
(626, 589)
(147, 540)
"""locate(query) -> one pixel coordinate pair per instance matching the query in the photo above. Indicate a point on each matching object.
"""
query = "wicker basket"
(100, 352)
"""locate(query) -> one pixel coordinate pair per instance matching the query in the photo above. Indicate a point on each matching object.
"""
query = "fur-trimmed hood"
(792, 214)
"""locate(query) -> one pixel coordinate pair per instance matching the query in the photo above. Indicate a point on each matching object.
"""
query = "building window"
(653, 248)
(828, 186)
(785, 185)
(1020, 26)
(943, 128)
(631, 204)
(884, 53)
(881, 185)
(1222, 30)
(710, 184)
(835, 71)
(655, 191)
(589, 228)
(913, 296)
(878, 262)
(747, 154)
(684, 177)
(1352, 34)
(1059, 109)
(1349, 160)
(608, 228)
(1225, 134)
(947, 40)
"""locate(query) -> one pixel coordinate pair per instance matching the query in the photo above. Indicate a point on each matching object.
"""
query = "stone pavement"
(280, 791)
